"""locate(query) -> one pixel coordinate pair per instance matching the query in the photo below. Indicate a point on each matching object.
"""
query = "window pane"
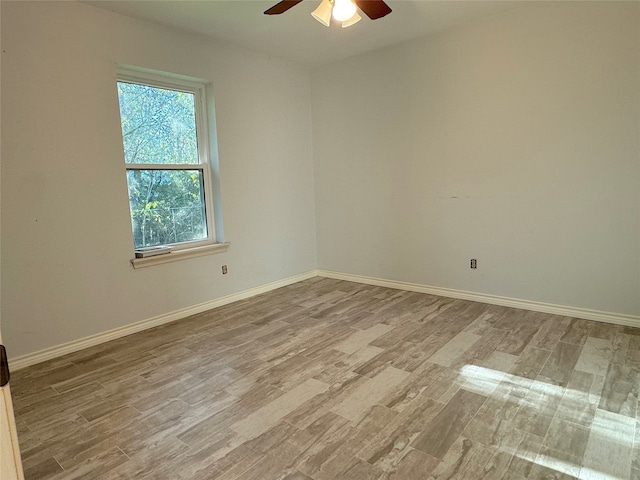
(158, 125)
(167, 206)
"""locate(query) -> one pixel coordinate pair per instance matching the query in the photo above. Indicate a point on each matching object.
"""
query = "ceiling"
(295, 35)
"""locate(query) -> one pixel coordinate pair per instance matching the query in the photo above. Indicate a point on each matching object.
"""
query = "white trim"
(64, 349)
(47, 354)
(162, 79)
(587, 314)
(198, 88)
(183, 254)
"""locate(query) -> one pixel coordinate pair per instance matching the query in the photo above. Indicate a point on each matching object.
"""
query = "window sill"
(180, 255)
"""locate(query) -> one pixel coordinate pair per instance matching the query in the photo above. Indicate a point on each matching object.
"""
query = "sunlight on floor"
(608, 450)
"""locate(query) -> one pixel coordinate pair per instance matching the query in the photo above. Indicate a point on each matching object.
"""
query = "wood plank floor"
(327, 379)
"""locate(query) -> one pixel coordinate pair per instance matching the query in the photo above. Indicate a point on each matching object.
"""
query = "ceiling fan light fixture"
(323, 12)
(352, 21)
(343, 10)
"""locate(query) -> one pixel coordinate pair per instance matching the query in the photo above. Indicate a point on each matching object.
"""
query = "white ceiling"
(295, 35)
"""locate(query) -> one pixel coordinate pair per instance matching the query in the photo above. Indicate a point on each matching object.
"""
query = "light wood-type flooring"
(326, 379)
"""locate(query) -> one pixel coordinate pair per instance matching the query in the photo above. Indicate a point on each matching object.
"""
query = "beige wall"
(66, 233)
(513, 140)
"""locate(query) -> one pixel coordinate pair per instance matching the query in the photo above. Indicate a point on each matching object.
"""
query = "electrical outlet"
(224, 269)
(474, 263)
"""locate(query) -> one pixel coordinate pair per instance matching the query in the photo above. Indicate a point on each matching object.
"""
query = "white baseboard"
(47, 354)
(70, 347)
(598, 316)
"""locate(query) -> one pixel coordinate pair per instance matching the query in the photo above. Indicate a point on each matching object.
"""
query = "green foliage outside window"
(159, 128)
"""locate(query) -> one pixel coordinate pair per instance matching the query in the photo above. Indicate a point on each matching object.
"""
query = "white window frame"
(199, 91)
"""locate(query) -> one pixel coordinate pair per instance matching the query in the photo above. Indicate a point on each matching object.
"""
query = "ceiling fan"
(342, 10)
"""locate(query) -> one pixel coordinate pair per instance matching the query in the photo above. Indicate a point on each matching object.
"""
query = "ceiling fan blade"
(373, 8)
(282, 7)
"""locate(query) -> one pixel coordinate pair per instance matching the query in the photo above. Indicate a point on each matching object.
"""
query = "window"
(166, 153)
